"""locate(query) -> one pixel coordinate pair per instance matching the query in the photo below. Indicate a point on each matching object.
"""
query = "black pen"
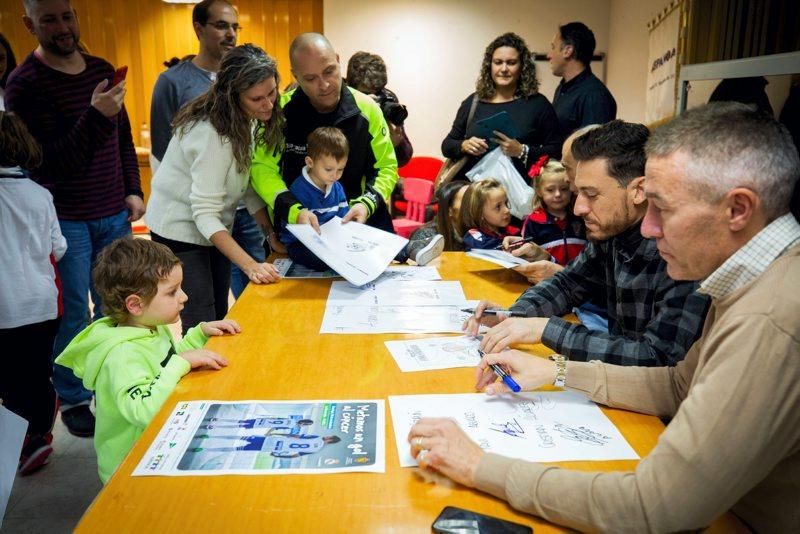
(494, 311)
(515, 244)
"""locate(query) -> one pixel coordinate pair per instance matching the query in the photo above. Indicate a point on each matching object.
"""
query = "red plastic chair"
(417, 194)
(424, 167)
(421, 167)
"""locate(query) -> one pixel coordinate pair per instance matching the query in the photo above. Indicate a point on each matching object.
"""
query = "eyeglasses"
(223, 26)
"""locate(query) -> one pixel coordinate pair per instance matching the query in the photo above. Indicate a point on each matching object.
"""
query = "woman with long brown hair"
(507, 82)
(206, 172)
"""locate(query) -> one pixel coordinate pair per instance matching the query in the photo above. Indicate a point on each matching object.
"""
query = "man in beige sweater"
(718, 179)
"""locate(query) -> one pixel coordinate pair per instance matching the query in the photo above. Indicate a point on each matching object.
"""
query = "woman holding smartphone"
(206, 171)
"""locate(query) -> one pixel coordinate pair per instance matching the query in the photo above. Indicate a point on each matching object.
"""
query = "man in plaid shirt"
(653, 320)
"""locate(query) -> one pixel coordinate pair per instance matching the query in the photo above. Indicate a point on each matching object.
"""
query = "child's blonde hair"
(553, 169)
(130, 266)
(472, 204)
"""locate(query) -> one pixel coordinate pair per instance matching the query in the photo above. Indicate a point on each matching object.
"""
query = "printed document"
(553, 426)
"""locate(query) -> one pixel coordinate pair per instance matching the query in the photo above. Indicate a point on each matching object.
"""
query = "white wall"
(433, 49)
(627, 59)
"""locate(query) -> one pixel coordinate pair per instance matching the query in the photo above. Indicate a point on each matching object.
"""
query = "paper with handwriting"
(552, 426)
(429, 353)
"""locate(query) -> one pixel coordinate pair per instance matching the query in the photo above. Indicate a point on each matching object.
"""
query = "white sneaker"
(431, 251)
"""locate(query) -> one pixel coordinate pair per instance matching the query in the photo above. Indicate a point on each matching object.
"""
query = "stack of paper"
(395, 306)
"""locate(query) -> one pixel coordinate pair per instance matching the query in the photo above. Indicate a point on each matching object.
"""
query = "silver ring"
(421, 456)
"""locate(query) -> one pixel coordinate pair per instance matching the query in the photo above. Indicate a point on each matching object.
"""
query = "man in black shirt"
(581, 98)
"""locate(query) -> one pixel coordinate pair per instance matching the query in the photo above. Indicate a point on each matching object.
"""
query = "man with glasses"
(216, 26)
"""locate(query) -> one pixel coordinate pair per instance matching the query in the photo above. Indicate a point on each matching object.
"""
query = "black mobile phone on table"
(455, 520)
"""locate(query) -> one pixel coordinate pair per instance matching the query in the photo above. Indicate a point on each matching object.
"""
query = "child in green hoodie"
(129, 357)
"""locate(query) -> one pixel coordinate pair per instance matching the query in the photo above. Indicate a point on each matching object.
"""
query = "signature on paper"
(511, 428)
(528, 408)
(581, 434)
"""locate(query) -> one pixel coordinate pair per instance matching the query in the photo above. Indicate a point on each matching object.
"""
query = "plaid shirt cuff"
(556, 332)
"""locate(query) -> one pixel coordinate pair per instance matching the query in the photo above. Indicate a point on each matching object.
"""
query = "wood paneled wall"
(144, 33)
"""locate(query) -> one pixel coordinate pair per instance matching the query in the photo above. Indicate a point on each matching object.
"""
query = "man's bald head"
(309, 41)
(315, 66)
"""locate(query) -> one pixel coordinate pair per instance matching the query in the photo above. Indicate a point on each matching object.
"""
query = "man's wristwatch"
(561, 370)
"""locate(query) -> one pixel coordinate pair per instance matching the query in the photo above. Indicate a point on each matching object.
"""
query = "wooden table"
(281, 356)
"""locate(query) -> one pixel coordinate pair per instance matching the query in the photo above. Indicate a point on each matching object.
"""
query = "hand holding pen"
(513, 245)
(478, 317)
(502, 374)
(527, 371)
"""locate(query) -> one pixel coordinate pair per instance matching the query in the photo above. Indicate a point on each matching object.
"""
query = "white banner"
(663, 63)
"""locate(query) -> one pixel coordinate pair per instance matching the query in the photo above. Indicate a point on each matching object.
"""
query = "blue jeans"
(250, 237)
(85, 239)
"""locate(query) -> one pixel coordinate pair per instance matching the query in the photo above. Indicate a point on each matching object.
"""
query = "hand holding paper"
(510, 146)
(358, 213)
(308, 217)
(450, 452)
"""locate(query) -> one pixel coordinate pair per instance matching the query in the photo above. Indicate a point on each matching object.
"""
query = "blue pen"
(505, 377)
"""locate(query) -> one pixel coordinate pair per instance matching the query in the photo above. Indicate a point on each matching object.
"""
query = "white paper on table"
(268, 437)
(429, 353)
(395, 319)
(499, 257)
(553, 426)
(398, 293)
(12, 435)
(358, 252)
(408, 273)
(289, 269)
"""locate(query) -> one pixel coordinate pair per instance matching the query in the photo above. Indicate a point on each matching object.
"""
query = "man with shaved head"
(321, 99)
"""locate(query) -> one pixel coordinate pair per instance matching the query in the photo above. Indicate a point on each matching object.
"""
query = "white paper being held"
(358, 252)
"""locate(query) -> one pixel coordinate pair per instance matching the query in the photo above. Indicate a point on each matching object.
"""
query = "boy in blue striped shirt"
(318, 188)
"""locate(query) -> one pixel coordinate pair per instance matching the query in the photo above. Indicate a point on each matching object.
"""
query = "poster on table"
(290, 269)
(552, 426)
(663, 67)
(267, 438)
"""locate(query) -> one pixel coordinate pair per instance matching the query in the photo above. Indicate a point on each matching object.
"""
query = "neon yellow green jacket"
(371, 171)
(132, 372)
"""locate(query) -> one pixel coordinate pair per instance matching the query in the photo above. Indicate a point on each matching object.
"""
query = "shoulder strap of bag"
(472, 111)
(451, 167)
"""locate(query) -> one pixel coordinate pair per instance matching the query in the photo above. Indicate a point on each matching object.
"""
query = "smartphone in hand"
(454, 520)
(119, 75)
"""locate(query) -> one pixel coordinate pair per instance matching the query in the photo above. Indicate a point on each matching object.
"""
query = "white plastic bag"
(497, 165)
